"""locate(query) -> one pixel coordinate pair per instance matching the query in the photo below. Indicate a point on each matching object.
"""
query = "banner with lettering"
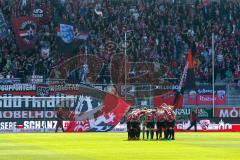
(211, 125)
(203, 95)
(183, 114)
(32, 108)
(227, 112)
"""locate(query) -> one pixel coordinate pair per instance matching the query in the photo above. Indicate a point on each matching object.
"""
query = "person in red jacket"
(193, 118)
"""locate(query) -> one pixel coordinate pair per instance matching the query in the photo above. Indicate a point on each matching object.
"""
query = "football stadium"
(119, 79)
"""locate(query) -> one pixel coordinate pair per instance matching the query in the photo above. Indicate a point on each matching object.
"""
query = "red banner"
(232, 128)
(212, 125)
(206, 100)
(231, 112)
(25, 29)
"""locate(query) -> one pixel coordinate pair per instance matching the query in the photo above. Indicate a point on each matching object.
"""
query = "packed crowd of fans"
(157, 31)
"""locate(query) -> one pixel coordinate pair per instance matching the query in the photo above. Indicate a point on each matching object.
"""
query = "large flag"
(25, 29)
(69, 39)
(190, 77)
(187, 82)
(3, 27)
(103, 122)
(95, 110)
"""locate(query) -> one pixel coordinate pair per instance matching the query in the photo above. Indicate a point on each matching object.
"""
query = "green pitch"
(114, 146)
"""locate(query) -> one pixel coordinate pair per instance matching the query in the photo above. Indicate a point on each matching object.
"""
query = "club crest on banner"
(66, 33)
(221, 94)
(27, 31)
(204, 124)
(192, 94)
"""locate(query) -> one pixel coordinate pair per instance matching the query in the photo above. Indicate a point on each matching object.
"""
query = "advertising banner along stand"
(33, 108)
(202, 95)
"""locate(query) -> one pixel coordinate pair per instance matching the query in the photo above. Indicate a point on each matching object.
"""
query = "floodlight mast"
(213, 77)
(125, 62)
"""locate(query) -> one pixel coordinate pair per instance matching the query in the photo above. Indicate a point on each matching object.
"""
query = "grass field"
(114, 146)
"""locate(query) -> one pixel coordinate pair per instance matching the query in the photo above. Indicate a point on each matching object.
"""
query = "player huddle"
(160, 120)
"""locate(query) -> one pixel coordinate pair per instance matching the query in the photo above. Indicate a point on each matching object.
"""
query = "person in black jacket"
(59, 119)
(193, 118)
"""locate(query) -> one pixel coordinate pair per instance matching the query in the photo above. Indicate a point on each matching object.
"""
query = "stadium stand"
(161, 31)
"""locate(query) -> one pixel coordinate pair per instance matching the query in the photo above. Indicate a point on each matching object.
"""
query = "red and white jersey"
(161, 116)
(130, 117)
(150, 116)
(170, 114)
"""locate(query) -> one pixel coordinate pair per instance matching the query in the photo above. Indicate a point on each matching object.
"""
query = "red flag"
(105, 121)
(190, 79)
(101, 110)
(25, 29)
(175, 98)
